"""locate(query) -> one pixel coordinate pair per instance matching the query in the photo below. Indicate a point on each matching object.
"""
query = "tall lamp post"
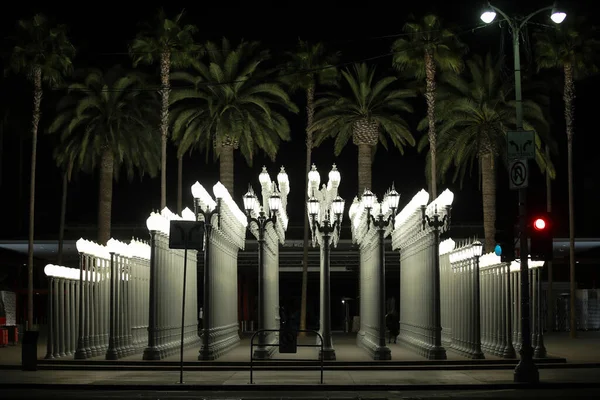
(320, 211)
(381, 223)
(526, 371)
(434, 221)
(211, 209)
(261, 221)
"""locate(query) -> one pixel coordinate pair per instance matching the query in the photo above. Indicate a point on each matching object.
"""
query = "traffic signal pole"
(526, 371)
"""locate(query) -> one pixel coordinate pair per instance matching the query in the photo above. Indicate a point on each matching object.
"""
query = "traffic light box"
(541, 235)
(505, 239)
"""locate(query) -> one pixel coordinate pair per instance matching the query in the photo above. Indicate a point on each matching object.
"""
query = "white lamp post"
(261, 221)
(321, 212)
(381, 221)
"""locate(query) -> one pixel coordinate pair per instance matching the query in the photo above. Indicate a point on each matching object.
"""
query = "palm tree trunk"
(37, 101)
(63, 214)
(105, 196)
(549, 296)
(568, 97)
(20, 185)
(488, 194)
(364, 167)
(179, 185)
(310, 113)
(430, 97)
(226, 167)
(165, 70)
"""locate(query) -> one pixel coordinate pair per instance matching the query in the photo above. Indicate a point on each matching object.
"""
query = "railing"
(278, 344)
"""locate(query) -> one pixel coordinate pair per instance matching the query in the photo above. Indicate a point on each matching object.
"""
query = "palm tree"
(106, 121)
(228, 105)
(372, 110)
(473, 114)
(571, 48)
(171, 44)
(429, 48)
(308, 66)
(43, 53)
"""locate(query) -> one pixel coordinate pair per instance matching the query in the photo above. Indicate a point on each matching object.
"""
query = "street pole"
(526, 371)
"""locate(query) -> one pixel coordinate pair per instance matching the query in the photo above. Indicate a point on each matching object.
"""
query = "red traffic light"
(539, 224)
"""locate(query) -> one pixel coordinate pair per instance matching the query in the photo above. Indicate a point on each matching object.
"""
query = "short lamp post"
(261, 221)
(437, 223)
(477, 248)
(381, 223)
(326, 228)
(526, 371)
(211, 209)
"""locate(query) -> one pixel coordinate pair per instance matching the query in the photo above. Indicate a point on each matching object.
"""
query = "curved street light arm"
(518, 24)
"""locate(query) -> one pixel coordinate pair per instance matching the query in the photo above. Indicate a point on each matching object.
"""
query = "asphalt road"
(36, 394)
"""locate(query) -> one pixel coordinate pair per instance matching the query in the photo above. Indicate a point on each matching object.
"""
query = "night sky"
(101, 34)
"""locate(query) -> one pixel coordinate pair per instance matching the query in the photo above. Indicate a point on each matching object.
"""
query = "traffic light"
(541, 232)
(505, 240)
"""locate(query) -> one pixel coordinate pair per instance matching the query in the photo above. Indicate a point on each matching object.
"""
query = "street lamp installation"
(211, 208)
(389, 207)
(526, 371)
(444, 200)
(261, 221)
(320, 211)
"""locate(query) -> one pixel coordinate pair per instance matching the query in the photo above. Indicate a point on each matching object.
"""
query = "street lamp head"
(197, 190)
(188, 215)
(282, 178)
(477, 248)
(334, 177)
(488, 14)
(392, 199)
(367, 199)
(274, 202)
(558, 15)
(314, 179)
(249, 201)
(264, 177)
(154, 222)
(337, 207)
(313, 206)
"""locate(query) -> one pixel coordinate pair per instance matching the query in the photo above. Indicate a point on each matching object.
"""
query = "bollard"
(29, 351)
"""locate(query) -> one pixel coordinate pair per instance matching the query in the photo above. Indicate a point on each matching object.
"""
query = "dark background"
(101, 32)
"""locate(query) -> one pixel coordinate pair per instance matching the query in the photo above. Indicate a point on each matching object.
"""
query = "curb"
(308, 387)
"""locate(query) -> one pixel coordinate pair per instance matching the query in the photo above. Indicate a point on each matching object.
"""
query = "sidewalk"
(584, 349)
(299, 380)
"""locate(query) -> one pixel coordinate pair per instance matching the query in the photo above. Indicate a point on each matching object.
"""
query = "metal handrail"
(279, 345)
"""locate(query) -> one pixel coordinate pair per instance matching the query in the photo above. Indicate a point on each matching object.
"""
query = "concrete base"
(382, 353)
(327, 354)
(436, 353)
(151, 353)
(261, 353)
(111, 354)
(526, 372)
(80, 354)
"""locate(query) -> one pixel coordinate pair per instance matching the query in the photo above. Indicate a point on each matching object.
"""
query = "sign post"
(185, 235)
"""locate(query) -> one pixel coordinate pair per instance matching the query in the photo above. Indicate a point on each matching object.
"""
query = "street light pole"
(326, 228)
(438, 352)
(526, 371)
(390, 202)
(207, 214)
(261, 221)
